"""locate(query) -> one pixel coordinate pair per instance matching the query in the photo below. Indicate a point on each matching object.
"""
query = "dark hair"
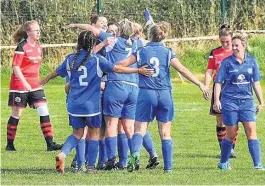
(86, 41)
(21, 32)
(94, 18)
(225, 30)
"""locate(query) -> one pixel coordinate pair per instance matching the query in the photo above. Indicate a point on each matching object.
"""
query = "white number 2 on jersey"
(83, 76)
(155, 62)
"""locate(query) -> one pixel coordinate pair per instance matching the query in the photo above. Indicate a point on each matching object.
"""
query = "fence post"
(223, 11)
(99, 6)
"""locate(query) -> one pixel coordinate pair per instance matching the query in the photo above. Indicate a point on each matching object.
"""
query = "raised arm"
(89, 27)
(258, 92)
(175, 63)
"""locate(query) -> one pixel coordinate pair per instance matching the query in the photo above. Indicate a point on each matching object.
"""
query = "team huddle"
(117, 83)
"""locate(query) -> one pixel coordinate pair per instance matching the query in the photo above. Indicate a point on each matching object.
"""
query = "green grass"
(193, 133)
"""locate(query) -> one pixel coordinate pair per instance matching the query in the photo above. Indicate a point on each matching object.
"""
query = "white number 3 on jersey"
(155, 62)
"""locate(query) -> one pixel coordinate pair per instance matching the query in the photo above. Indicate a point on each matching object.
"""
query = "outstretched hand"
(206, 92)
(217, 106)
(146, 71)
(259, 108)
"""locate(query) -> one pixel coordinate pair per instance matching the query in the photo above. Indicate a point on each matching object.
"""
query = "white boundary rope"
(166, 40)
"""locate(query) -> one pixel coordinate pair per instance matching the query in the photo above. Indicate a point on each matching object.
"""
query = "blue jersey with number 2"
(84, 94)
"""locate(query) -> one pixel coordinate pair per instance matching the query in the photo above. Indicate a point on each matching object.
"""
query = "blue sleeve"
(221, 72)
(105, 65)
(103, 35)
(172, 54)
(256, 71)
(67, 79)
(62, 69)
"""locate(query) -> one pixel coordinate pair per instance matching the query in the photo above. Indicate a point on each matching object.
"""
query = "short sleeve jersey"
(116, 52)
(84, 94)
(237, 78)
(155, 55)
(216, 57)
(28, 57)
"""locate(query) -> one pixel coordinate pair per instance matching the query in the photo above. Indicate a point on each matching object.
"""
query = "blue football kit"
(121, 92)
(237, 97)
(84, 95)
(155, 98)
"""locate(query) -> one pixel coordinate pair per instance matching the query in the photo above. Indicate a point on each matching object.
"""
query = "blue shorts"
(81, 122)
(120, 100)
(154, 103)
(238, 110)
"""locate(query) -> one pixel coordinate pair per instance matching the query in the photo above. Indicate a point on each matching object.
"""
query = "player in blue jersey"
(123, 86)
(155, 97)
(84, 105)
(100, 22)
(237, 76)
(148, 143)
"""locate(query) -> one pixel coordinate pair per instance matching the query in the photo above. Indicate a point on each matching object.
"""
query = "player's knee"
(42, 110)
(16, 112)
(165, 134)
(93, 134)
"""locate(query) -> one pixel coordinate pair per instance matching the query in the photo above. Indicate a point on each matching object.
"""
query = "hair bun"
(227, 26)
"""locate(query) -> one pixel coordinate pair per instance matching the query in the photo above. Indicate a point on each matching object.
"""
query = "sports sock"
(149, 144)
(11, 130)
(254, 149)
(123, 149)
(69, 144)
(92, 152)
(225, 150)
(137, 141)
(167, 150)
(80, 153)
(111, 147)
(46, 127)
(102, 157)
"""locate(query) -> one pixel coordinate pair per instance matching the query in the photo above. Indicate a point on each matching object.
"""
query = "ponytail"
(21, 32)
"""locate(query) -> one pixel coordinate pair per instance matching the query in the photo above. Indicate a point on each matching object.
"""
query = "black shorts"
(212, 111)
(17, 99)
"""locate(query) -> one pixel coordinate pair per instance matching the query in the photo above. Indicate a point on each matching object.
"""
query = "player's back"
(117, 51)
(156, 56)
(84, 94)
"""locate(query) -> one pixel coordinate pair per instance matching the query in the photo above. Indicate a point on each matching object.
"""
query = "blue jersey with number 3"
(155, 55)
(84, 94)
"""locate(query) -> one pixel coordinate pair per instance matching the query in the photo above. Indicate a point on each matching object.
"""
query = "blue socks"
(80, 153)
(102, 157)
(92, 151)
(111, 147)
(167, 150)
(123, 149)
(137, 140)
(149, 144)
(254, 149)
(226, 148)
(69, 144)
